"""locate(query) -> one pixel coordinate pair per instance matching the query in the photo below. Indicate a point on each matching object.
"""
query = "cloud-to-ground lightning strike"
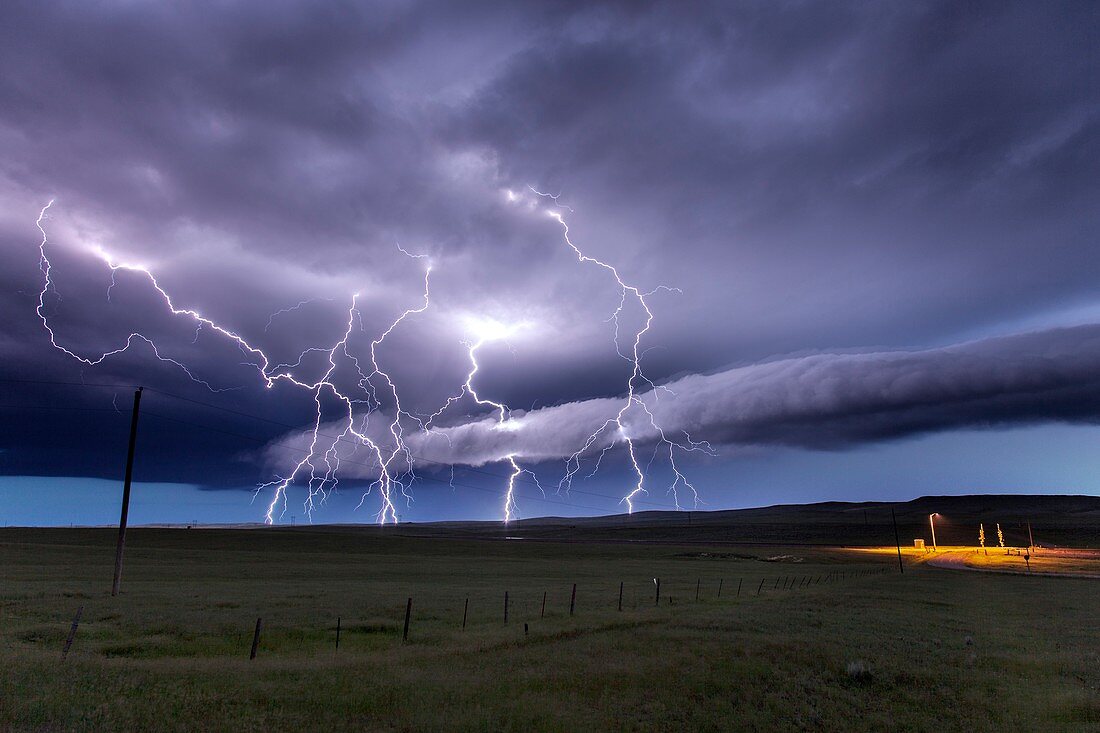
(319, 467)
(392, 459)
(633, 402)
(491, 331)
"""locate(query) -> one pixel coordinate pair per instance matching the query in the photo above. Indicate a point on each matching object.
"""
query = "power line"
(60, 409)
(70, 384)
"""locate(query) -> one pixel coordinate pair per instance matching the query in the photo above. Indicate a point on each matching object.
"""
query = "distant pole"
(505, 606)
(256, 638)
(337, 633)
(126, 493)
(543, 613)
(739, 582)
(620, 595)
(657, 601)
(935, 547)
(760, 587)
(720, 581)
(897, 540)
(573, 599)
(698, 581)
(408, 614)
(1030, 539)
(465, 610)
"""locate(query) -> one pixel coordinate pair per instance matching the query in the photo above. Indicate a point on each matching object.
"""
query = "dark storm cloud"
(813, 176)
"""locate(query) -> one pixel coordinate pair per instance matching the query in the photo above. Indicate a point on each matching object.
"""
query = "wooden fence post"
(657, 601)
(337, 633)
(543, 613)
(408, 613)
(72, 633)
(739, 582)
(465, 610)
(720, 581)
(256, 638)
(698, 581)
(620, 595)
(573, 599)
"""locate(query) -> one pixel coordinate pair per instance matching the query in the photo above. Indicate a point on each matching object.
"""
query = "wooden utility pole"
(126, 493)
(897, 540)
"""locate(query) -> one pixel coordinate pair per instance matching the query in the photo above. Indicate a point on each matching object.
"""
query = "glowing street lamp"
(933, 526)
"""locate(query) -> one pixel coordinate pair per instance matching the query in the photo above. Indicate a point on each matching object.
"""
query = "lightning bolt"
(502, 411)
(318, 469)
(296, 307)
(492, 331)
(618, 426)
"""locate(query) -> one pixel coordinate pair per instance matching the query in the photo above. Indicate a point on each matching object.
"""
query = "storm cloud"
(825, 401)
(881, 218)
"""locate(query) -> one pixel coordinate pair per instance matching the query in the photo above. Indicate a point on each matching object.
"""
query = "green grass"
(171, 653)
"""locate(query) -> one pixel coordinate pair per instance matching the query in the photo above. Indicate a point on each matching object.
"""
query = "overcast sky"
(875, 223)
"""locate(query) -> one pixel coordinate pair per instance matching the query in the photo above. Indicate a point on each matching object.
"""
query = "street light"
(933, 526)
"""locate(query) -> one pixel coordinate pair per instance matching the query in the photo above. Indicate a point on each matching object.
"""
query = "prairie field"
(801, 637)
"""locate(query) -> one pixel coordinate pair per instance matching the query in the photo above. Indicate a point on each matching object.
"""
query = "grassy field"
(932, 649)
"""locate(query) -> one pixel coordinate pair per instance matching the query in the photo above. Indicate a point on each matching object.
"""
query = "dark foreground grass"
(929, 650)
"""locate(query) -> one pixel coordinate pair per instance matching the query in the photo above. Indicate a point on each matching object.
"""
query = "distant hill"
(1055, 521)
